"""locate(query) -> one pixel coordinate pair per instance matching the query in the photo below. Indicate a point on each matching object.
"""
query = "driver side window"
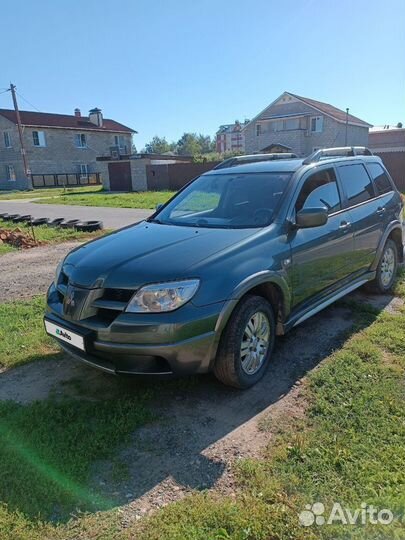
(320, 190)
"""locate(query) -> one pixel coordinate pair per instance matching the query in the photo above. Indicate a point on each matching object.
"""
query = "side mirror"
(159, 206)
(311, 217)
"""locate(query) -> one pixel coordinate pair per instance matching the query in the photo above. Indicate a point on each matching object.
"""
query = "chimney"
(96, 117)
(78, 113)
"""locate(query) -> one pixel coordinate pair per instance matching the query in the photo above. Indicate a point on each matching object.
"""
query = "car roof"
(288, 165)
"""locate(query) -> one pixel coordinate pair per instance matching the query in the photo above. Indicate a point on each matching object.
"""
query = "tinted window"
(381, 180)
(356, 183)
(320, 190)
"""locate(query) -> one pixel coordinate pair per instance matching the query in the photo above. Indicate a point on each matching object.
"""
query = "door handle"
(345, 225)
(380, 210)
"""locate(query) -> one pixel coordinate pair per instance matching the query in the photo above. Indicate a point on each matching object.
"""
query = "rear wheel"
(386, 269)
(247, 343)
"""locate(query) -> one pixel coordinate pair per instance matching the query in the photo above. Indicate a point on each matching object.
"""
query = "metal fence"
(65, 180)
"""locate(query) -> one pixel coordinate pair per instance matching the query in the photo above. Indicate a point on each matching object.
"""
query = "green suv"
(243, 253)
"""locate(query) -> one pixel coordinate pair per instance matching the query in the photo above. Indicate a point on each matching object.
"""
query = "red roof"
(332, 111)
(51, 120)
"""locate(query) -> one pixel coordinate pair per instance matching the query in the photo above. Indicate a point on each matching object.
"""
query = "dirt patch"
(27, 273)
(16, 238)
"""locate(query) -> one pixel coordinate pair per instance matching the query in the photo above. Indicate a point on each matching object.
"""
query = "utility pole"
(347, 122)
(27, 171)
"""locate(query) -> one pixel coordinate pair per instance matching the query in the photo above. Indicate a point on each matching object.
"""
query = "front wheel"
(247, 343)
(386, 269)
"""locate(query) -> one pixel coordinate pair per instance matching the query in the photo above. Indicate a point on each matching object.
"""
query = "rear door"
(320, 255)
(365, 211)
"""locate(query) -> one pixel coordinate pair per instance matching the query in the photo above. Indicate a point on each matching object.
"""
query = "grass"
(22, 334)
(50, 192)
(5, 248)
(146, 199)
(348, 448)
(49, 235)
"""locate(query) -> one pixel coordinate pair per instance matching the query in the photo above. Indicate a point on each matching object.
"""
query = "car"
(240, 255)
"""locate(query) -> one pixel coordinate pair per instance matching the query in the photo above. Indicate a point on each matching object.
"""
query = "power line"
(2, 91)
(26, 100)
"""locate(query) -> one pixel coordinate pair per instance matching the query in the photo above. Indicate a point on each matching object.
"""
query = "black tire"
(55, 222)
(12, 217)
(89, 226)
(379, 284)
(228, 366)
(4, 215)
(39, 221)
(19, 219)
(69, 224)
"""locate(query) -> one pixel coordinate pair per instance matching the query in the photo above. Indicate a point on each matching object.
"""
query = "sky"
(165, 67)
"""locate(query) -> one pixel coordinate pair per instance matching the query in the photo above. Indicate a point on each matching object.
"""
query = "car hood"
(147, 253)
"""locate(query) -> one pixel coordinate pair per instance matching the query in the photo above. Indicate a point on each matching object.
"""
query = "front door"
(320, 255)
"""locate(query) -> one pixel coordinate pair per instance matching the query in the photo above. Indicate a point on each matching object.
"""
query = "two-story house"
(230, 138)
(303, 125)
(58, 144)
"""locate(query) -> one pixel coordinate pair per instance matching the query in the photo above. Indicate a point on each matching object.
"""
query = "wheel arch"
(393, 232)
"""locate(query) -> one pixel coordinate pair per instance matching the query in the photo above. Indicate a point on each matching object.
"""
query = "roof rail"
(344, 151)
(253, 158)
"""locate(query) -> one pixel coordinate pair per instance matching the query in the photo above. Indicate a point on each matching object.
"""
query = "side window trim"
(391, 181)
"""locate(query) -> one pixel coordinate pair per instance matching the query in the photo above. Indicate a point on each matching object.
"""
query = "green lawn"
(348, 448)
(145, 199)
(5, 248)
(50, 192)
(48, 235)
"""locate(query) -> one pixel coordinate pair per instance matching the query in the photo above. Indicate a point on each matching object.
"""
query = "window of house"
(317, 124)
(80, 140)
(7, 139)
(84, 170)
(380, 178)
(279, 125)
(292, 123)
(38, 138)
(10, 173)
(320, 190)
(119, 141)
(357, 183)
(258, 129)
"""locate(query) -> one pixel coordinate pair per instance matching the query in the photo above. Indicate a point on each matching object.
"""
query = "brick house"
(303, 125)
(230, 138)
(58, 143)
(388, 142)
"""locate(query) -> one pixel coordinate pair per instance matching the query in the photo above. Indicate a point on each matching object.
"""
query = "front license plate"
(65, 335)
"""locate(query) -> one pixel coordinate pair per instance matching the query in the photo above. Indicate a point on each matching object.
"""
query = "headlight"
(58, 271)
(162, 297)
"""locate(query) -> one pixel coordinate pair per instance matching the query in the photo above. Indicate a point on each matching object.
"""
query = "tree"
(158, 145)
(207, 145)
(189, 145)
(399, 125)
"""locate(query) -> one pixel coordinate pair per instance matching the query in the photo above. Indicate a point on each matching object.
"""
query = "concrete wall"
(60, 155)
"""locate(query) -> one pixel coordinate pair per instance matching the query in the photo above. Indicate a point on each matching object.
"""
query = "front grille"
(101, 306)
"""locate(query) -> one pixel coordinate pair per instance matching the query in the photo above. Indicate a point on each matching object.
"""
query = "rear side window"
(320, 190)
(357, 183)
(380, 177)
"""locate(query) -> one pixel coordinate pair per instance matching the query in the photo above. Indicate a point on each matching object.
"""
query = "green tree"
(158, 145)
(189, 145)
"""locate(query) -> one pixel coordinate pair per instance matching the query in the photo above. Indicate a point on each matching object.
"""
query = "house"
(302, 125)
(57, 144)
(230, 138)
(388, 142)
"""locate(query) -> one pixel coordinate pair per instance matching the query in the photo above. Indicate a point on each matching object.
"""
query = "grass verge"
(50, 235)
(22, 334)
(51, 192)
(146, 199)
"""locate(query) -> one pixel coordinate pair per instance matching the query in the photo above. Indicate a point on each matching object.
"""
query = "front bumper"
(180, 342)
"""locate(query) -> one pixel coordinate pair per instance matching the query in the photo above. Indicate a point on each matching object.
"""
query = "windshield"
(227, 201)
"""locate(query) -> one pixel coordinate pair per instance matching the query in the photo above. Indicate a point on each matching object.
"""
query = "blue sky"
(169, 66)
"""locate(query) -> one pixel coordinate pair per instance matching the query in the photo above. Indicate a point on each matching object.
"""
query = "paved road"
(112, 218)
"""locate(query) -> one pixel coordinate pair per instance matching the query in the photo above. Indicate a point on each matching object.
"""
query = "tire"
(12, 217)
(69, 224)
(19, 219)
(386, 272)
(230, 366)
(89, 226)
(55, 222)
(39, 221)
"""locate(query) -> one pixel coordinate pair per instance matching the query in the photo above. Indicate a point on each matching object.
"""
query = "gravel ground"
(29, 272)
